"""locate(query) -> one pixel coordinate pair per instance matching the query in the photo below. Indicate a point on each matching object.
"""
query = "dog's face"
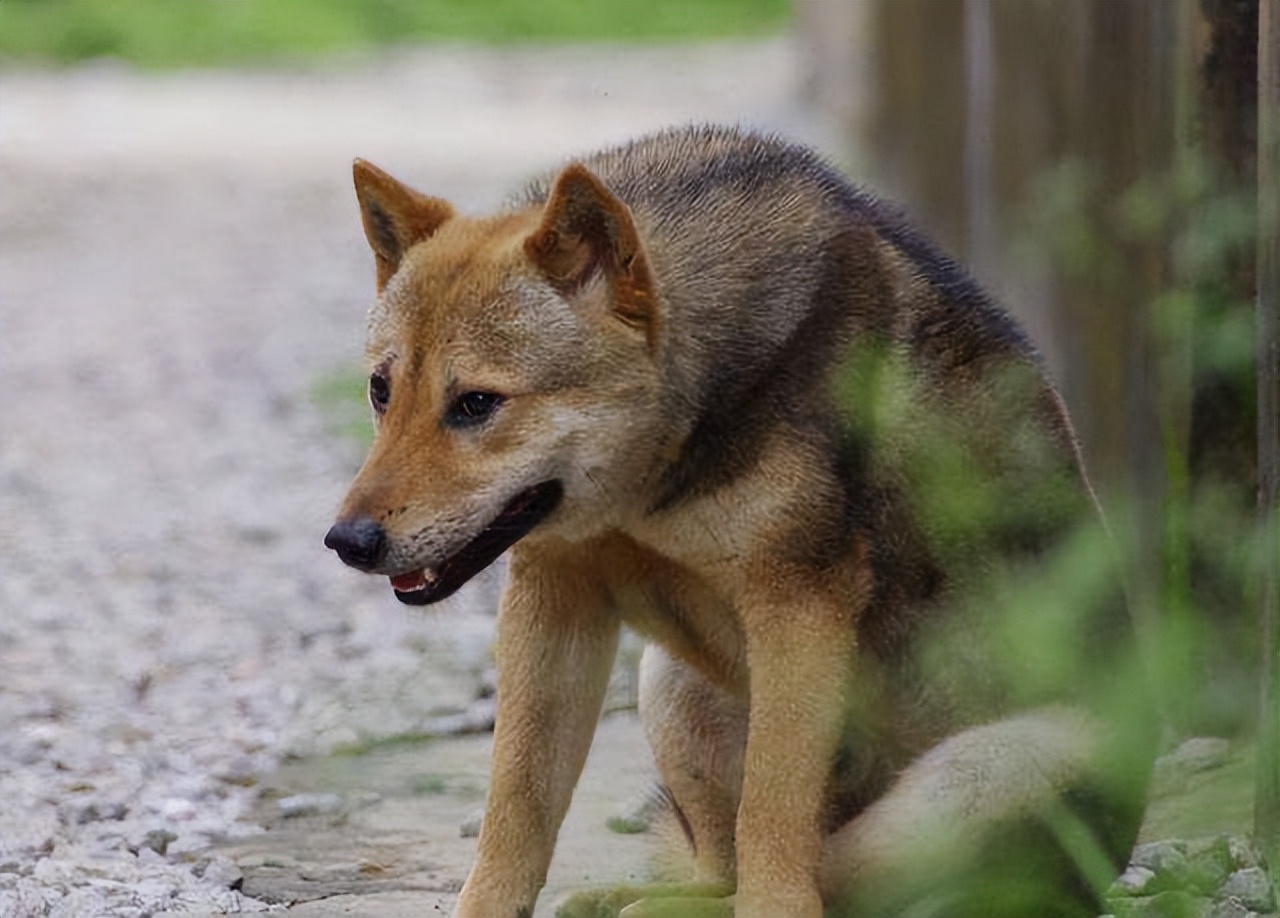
(513, 377)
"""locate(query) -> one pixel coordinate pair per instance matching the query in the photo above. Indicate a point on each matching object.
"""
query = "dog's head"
(513, 376)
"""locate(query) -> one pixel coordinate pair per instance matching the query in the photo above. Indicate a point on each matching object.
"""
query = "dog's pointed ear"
(586, 230)
(395, 217)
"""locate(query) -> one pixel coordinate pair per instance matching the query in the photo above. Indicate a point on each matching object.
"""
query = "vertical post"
(1267, 797)
(979, 139)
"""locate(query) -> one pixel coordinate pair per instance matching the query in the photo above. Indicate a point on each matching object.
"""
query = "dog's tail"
(654, 810)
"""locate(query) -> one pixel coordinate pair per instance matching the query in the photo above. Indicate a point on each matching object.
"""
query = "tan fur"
(740, 374)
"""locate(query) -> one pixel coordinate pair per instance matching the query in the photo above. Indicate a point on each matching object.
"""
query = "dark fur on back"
(717, 205)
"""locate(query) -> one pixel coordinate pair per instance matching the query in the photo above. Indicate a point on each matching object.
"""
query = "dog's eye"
(379, 392)
(471, 408)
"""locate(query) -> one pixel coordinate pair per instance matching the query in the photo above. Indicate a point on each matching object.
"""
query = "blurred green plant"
(1196, 612)
(1189, 557)
(339, 396)
(173, 33)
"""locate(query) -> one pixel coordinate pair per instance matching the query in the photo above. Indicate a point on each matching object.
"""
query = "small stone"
(52, 873)
(470, 827)
(238, 903)
(188, 845)
(241, 830)
(1136, 881)
(219, 870)
(157, 841)
(114, 811)
(1167, 860)
(154, 893)
(299, 805)
(150, 857)
(178, 809)
(1251, 888)
(241, 771)
(1200, 753)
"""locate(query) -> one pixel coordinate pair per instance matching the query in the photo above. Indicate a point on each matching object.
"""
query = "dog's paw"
(599, 903)
(677, 900)
(679, 908)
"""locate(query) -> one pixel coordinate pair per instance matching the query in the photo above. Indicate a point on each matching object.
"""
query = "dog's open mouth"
(524, 511)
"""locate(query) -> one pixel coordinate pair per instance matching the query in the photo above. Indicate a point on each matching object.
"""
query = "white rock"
(470, 827)
(1200, 753)
(1136, 881)
(1162, 857)
(178, 809)
(308, 805)
(1251, 888)
(220, 871)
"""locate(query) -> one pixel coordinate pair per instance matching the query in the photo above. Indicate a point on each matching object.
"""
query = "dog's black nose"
(359, 542)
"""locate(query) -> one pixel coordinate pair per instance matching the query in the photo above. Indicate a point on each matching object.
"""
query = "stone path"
(181, 266)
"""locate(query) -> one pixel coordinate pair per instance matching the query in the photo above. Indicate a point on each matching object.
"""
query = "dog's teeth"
(412, 581)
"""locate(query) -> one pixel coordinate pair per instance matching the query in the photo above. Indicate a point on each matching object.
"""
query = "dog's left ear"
(586, 230)
(395, 217)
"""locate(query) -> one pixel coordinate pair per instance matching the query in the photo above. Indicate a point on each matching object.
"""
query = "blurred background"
(183, 281)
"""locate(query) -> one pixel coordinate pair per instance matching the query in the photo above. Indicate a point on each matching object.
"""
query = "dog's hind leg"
(1014, 818)
(698, 735)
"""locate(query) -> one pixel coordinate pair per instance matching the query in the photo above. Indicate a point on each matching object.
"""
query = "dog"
(703, 385)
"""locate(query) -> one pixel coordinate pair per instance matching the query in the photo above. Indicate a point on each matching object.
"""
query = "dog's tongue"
(407, 583)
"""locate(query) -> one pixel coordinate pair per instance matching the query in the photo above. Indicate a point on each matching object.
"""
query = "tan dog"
(702, 385)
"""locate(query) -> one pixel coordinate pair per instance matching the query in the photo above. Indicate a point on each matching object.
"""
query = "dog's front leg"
(555, 647)
(799, 649)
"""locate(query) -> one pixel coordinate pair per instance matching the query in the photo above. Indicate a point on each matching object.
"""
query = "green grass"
(174, 33)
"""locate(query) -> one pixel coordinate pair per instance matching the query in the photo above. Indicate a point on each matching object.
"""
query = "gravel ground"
(180, 263)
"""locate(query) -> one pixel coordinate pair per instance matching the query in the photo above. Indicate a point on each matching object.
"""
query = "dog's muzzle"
(361, 543)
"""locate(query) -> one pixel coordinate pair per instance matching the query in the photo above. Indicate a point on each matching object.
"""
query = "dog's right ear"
(395, 217)
(587, 230)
